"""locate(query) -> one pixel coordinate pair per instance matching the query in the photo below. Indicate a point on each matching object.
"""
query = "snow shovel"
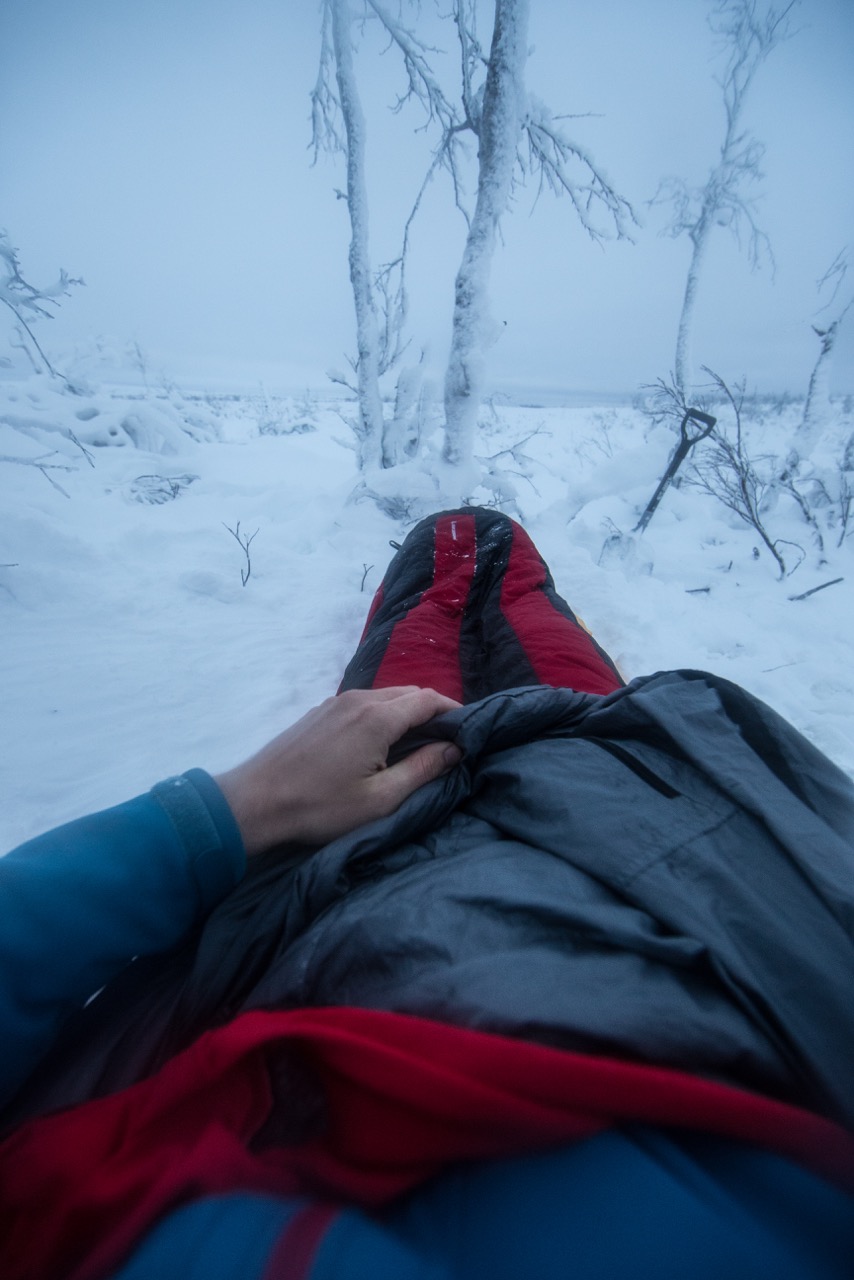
(622, 546)
(680, 453)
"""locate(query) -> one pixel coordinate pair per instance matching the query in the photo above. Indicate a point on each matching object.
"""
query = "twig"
(367, 568)
(87, 454)
(35, 462)
(244, 543)
(43, 467)
(812, 590)
(55, 483)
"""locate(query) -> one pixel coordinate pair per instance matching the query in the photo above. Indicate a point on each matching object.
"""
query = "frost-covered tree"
(749, 32)
(328, 106)
(380, 297)
(817, 408)
(516, 136)
(498, 122)
(29, 303)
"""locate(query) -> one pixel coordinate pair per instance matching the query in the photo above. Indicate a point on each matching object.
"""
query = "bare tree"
(749, 33)
(817, 410)
(29, 304)
(517, 137)
(498, 130)
(328, 103)
(380, 298)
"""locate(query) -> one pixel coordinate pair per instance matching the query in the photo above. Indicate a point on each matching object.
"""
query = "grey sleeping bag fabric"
(664, 874)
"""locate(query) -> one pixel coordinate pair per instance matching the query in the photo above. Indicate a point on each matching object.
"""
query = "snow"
(131, 650)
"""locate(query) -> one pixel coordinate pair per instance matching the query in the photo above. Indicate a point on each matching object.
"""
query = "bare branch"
(244, 541)
(28, 303)
(471, 58)
(567, 168)
(326, 124)
(728, 473)
(422, 85)
(35, 462)
(806, 594)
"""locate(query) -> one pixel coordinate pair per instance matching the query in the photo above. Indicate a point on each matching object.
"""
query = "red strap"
(296, 1248)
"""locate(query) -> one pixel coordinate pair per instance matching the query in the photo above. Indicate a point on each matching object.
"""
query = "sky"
(160, 151)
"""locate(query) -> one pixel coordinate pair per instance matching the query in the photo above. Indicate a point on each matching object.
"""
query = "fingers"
(426, 764)
(329, 772)
(413, 707)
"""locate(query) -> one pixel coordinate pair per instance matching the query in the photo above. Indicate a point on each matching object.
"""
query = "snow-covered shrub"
(277, 416)
(156, 489)
(43, 411)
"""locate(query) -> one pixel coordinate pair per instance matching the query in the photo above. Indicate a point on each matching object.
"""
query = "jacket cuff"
(208, 831)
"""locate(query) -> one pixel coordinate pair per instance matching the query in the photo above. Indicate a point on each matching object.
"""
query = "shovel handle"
(696, 415)
(680, 453)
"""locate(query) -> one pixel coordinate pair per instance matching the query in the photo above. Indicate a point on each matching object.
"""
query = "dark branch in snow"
(244, 541)
(728, 472)
(805, 594)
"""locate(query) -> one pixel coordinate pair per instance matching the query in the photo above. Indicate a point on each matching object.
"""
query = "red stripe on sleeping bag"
(404, 1097)
(296, 1249)
(560, 651)
(424, 647)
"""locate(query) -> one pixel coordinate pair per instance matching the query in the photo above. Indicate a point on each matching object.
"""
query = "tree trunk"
(401, 435)
(498, 134)
(367, 330)
(817, 410)
(683, 372)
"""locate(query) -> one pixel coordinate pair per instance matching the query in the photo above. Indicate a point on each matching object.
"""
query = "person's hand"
(328, 773)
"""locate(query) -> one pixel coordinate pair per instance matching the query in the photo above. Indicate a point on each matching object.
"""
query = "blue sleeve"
(77, 904)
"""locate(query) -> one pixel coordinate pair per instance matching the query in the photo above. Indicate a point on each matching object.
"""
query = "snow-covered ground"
(132, 650)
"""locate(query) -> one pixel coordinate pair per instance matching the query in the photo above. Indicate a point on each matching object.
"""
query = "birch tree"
(817, 408)
(517, 138)
(336, 59)
(749, 34)
(380, 297)
(498, 132)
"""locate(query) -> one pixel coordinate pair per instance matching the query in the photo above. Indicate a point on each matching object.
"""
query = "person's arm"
(77, 904)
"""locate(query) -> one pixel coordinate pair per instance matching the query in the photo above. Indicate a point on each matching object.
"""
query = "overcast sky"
(160, 150)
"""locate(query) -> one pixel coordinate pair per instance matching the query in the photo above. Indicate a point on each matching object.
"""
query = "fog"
(161, 152)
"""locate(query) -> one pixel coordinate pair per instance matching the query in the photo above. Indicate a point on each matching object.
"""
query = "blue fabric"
(639, 1203)
(356, 1247)
(221, 1238)
(643, 1204)
(77, 904)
